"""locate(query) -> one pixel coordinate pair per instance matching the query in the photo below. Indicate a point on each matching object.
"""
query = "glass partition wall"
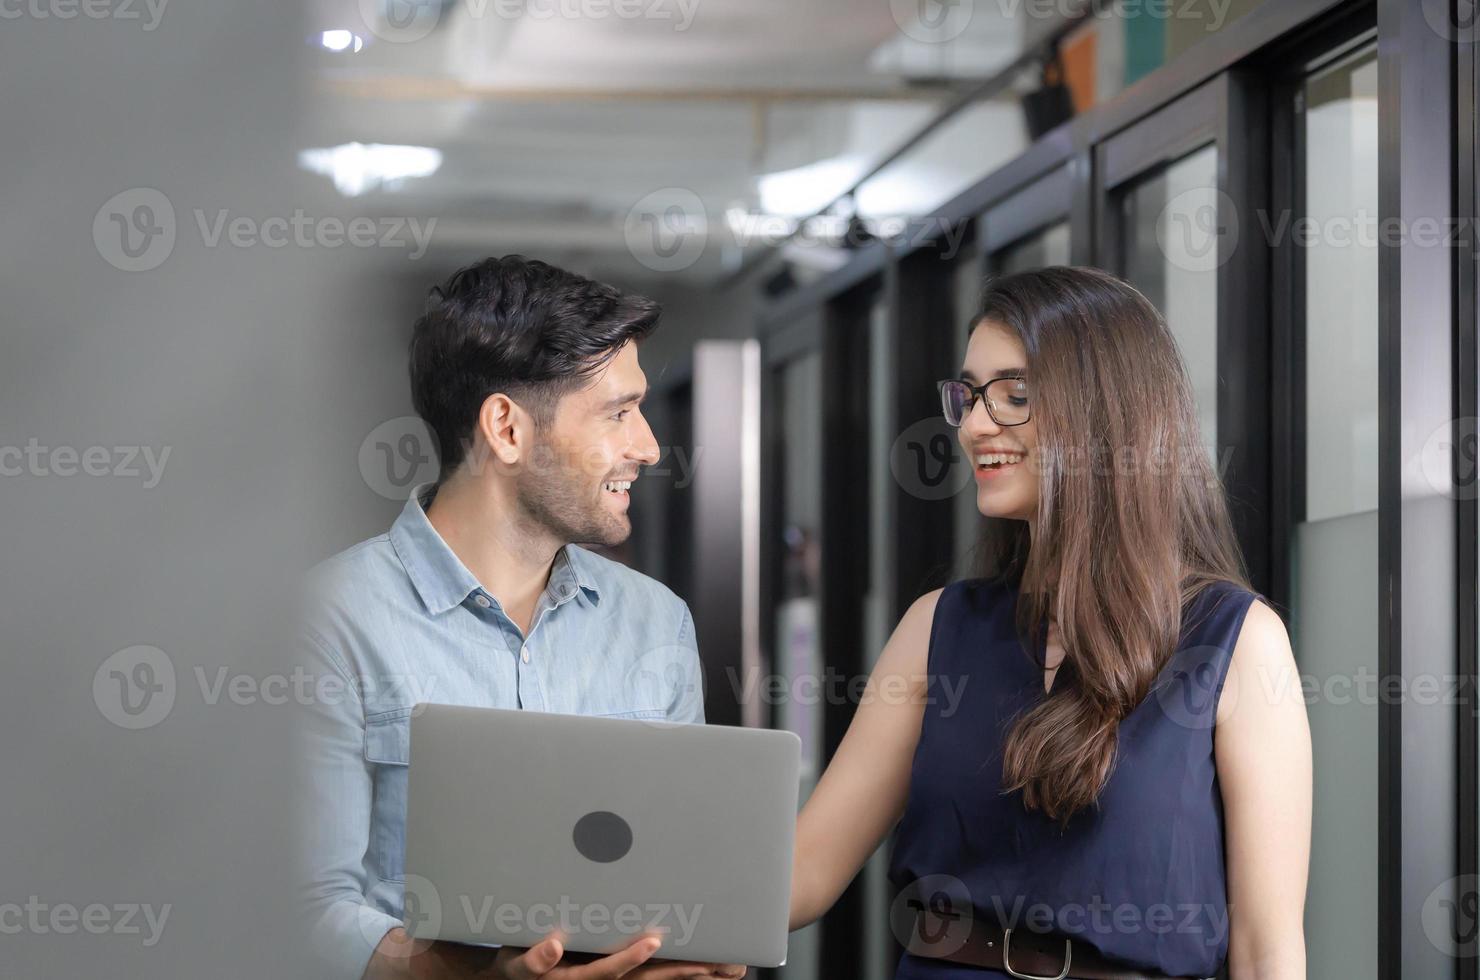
(1329, 342)
(1235, 196)
(818, 585)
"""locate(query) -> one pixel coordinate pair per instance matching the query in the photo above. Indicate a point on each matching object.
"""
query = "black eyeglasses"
(1007, 402)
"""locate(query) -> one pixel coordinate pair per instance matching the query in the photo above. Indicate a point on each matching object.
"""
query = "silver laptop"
(521, 822)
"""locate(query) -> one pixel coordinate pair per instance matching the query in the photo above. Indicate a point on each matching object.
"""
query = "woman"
(1064, 808)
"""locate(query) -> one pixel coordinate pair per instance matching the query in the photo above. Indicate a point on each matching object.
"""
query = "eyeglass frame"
(978, 392)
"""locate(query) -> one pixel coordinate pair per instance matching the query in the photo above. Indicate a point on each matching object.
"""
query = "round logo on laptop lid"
(602, 836)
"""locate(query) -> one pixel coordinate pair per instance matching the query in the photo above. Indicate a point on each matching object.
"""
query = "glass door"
(791, 558)
(1327, 342)
(1046, 222)
(1177, 194)
(818, 568)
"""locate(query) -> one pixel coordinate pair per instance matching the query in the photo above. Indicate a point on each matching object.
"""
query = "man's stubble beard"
(553, 498)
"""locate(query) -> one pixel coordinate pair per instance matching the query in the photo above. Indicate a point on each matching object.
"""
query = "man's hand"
(399, 957)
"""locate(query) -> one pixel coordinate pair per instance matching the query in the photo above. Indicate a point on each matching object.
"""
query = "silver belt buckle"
(1007, 960)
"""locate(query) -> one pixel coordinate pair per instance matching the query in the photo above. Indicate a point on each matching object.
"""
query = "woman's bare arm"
(1263, 755)
(862, 793)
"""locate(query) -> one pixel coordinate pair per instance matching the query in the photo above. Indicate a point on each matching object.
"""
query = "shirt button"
(524, 654)
(482, 600)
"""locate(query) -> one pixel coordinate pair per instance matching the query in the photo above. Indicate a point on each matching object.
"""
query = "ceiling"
(580, 129)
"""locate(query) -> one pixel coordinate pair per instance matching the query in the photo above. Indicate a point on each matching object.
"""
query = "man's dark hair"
(518, 326)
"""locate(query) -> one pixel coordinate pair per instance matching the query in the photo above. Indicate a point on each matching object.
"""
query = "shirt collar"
(444, 582)
(570, 572)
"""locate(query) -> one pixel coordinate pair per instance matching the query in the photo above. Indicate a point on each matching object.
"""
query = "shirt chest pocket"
(388, 755)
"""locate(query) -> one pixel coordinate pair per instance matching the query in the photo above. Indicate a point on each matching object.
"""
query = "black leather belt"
(1017, 952)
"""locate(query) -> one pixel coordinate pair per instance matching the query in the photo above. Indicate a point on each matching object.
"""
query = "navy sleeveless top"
(1139, 876)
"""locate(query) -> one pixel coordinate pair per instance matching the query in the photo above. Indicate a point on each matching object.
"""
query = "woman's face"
(1003, 489)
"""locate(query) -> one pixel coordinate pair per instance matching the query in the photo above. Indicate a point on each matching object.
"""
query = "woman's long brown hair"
(1132, 519)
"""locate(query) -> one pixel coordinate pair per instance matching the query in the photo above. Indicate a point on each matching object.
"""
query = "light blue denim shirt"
(399, 619)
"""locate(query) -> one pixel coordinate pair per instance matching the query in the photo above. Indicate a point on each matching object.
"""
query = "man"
(528, 377)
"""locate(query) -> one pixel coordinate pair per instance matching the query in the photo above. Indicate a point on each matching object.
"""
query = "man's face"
(583, 461)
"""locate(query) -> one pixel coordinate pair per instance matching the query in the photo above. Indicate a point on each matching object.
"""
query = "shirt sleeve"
(335, 795)
(688, 702)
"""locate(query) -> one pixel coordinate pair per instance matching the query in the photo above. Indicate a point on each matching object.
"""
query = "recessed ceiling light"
(359, 167)
(341, 40)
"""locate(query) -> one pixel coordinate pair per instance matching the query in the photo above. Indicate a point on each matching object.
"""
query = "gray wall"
(259, 371)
